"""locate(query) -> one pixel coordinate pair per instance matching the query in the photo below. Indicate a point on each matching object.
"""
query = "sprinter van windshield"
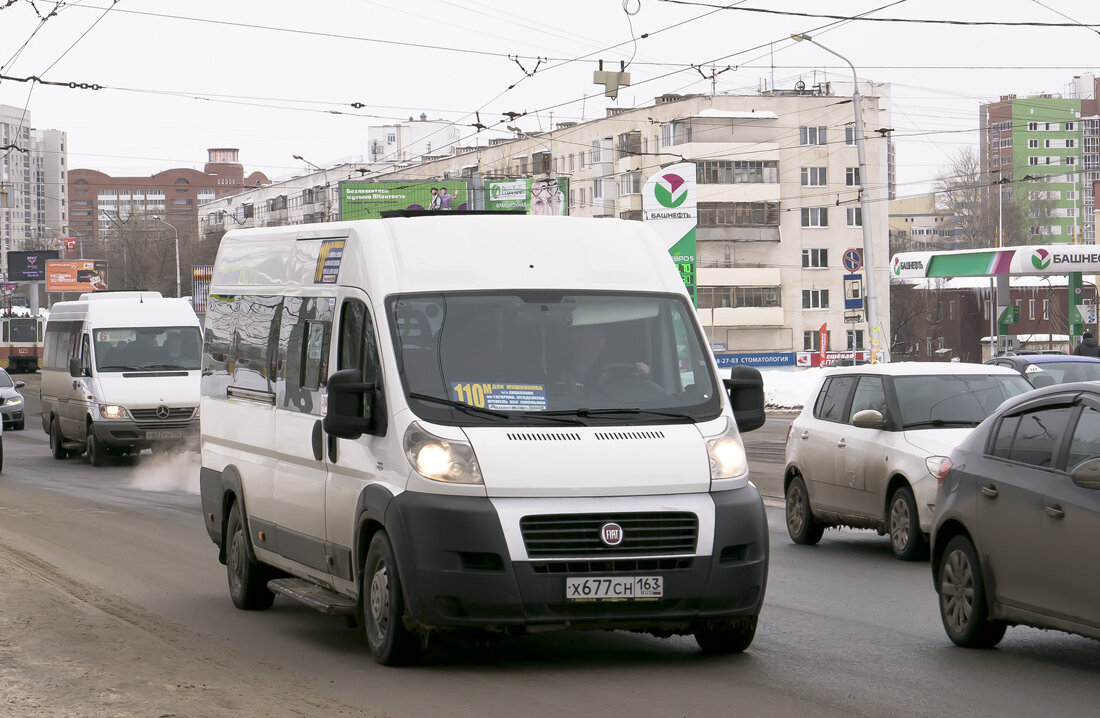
(147, 348)
(591, 358)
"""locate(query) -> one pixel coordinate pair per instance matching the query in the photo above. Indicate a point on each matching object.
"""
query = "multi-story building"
(99, 203)
(33, 188)
(916, 224)
(405, 142)
(779, 190)
(1043, 154)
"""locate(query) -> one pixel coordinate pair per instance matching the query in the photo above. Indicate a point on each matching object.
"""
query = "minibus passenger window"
(315, 344)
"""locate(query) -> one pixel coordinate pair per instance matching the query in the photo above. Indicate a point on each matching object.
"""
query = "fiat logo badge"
(162, 412)
(611, 534)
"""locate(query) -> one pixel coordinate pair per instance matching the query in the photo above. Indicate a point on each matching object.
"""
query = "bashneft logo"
(900, 266)
(670, 190)
(1040, 259)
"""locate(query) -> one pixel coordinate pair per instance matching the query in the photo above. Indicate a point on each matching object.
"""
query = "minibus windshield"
(120, 349)
(545, 357)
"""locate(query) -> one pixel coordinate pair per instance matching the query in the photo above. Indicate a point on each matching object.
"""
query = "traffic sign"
(853, 291)
(854, 316)
(853, 260)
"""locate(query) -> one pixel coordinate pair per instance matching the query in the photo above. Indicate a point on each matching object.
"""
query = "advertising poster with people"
(367, 200)
(537, 195)
(82, 275)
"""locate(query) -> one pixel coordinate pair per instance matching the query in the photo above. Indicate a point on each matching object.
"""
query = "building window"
(855, 216)
(715, 172)
(951, 309)
(811, 135)
(811, 340)
(815, 258)
(753, 297)
(1046, 309)
(738, 214)
(851, 177)
(1032, 126)
(1033, 144)
(1071, 126)
(855, 339)
(814, 177)
(815, 217)
(850, 136)
(815, 298)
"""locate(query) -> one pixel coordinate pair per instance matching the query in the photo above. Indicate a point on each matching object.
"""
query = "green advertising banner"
(541, 195)
(366, 200)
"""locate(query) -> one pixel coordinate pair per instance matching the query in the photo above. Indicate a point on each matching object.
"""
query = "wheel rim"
(380, 601)
(235, 561)
(900, 524)
(957, 592)
(796, 509)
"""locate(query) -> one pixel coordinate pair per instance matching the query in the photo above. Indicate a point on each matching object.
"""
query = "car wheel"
(802, 526)
(57, 445)
(384, 607)
(96, 454)
(247, 576)
(903, 525)
(963, 605)
(730, 636)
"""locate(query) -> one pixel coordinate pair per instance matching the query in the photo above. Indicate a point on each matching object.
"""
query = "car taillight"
(941, 475)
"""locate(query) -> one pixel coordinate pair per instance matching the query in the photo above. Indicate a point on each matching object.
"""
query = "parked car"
(1017, 533)
(11, 402)
(1047, 369)
(865, 450)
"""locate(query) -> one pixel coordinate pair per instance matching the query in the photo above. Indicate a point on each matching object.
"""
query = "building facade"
(404, 142)
(917, 225)
(33, 184)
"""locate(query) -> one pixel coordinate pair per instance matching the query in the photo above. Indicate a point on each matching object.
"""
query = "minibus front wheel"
(384, 607)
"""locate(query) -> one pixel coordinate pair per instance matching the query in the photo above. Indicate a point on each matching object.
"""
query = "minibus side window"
(305, 331)
(221, 323)
(359, 350)
(251, 358)
(86, 355)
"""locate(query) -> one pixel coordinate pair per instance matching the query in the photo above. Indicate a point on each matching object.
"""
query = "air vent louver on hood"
(544, 436)
(626, 435)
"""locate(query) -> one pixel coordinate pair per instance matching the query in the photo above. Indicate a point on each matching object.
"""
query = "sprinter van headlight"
(113, 411)
(727, 455)
(441, 459)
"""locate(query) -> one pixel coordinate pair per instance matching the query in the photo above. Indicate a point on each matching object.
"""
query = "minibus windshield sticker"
(328, 261)
(502, 396)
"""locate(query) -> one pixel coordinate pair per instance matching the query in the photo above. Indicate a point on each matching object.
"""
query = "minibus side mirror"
(75, 370)
(350, 402)
(746, 390)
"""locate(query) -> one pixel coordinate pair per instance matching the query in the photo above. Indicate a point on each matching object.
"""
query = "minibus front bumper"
(457, 572)
(130, 435)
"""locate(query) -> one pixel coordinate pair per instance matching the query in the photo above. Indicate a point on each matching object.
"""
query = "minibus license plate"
(163, 435)
(601, 588)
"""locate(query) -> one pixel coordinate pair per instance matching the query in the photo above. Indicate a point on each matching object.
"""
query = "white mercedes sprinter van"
(120, 373)
(472, 421)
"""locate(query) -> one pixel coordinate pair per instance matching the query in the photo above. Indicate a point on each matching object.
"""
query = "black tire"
(391, 643)
(57, 446)
(97, 455)
(903, 526)
(964, 607)
(802, 526)
(247, 576)
(729, 636)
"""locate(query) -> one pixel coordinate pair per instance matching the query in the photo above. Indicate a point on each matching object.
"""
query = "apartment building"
(1042, 153)
(33, 190)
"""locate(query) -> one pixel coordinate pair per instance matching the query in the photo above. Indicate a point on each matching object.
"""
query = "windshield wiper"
(582, 412)
(165, 366)
(942, 422)
(118, 367)
(462, 406)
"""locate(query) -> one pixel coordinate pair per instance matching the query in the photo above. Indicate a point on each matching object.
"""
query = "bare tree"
(960, 191)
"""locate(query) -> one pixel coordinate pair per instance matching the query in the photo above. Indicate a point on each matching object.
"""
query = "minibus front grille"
(176, 413)
(658, 533)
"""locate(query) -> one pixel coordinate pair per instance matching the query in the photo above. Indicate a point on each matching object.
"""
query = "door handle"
(318, 443)
(841, 443)
(990, 491)
(1054, 511)
(805, 435)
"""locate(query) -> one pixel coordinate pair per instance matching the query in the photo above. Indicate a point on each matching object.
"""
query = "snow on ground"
(789, 388)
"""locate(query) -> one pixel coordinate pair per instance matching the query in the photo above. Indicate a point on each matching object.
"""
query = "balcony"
(741, 317)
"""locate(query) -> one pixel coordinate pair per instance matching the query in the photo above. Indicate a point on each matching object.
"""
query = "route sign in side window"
(834, 398)
(1037, 438)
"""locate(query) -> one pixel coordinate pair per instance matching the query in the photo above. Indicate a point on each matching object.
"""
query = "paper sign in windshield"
(502, 396)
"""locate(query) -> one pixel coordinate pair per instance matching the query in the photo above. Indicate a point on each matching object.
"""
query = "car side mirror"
(746, 391)
(75, 370)
(1087, 474)
(868, 419)
(20, 384)
(350, 401)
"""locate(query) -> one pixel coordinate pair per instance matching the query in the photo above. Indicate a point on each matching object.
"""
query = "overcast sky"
(278, 78)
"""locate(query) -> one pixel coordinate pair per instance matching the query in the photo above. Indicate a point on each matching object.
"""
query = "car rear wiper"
(461, 406)
(941, 422)
(632, 410)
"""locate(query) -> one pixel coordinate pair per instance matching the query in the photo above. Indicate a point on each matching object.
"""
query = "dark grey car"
(1016, 538)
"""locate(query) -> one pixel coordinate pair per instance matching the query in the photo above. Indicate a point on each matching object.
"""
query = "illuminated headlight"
(441, 459)
(727, 455)
(113, 411)
(13, 401)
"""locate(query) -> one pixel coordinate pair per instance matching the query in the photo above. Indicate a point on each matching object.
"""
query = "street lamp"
(324, 173)
(864, 202)
(176, 232)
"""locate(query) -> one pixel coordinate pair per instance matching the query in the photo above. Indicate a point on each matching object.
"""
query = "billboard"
(534, 195)
(669, 202)
(78, 275)
(367, 200)
(29, 266)
(201, 275)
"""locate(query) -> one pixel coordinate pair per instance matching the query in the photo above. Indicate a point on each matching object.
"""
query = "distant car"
(1047, 369)
(11, 408)
(866, 448)
(1017, 533)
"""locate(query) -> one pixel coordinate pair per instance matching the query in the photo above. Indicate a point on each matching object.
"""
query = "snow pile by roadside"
(788, 388)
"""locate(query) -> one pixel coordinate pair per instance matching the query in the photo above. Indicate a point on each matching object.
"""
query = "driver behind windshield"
(587, 361)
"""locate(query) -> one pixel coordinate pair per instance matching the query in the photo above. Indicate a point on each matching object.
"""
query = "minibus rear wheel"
(247, 576)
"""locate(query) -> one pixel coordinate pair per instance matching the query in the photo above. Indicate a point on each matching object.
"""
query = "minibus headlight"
(441, 459)
(113, 411)
(727, 454)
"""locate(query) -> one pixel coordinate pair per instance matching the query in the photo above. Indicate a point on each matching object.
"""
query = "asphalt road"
(846, 629)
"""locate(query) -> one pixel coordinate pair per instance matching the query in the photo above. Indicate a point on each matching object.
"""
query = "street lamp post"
(176, 232)
(870, 295)
(324, 173)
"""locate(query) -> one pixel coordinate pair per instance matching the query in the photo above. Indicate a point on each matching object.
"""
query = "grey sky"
(272, 93)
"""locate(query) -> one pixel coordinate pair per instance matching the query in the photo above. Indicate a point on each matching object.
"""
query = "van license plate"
(599, 588)
(164, 435)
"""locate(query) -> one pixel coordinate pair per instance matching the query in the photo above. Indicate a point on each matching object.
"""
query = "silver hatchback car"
(1016, 538)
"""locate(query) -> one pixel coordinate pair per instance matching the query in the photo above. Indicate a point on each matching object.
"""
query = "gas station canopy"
(1010, 261)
